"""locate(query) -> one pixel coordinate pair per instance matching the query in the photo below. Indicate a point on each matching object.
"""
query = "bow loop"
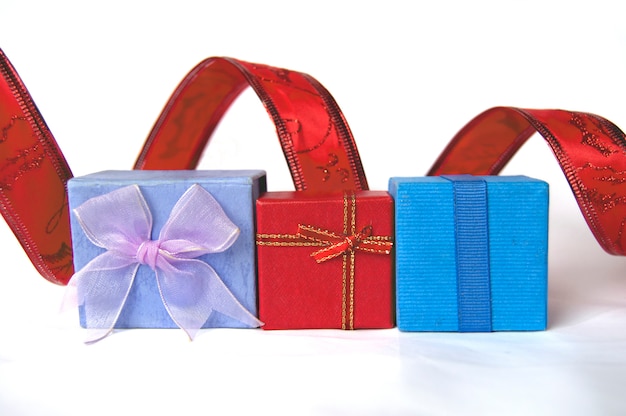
(119, 222)
(200, 220)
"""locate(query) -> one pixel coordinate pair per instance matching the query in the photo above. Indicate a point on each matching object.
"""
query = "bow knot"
(148, 253)
(360, 236)
(352, 242)
(121, 223)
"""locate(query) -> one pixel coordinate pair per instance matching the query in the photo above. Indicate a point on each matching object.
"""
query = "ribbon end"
(69, 300)
(98, 335)
(190, 332)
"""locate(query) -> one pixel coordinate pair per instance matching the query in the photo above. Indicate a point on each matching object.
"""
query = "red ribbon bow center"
(351, 242)
(337, 245)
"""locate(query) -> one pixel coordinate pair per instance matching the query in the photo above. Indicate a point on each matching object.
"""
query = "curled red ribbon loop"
(590, 150)
(315, 137)
(33, 173)
(342, 244)
(316, 140)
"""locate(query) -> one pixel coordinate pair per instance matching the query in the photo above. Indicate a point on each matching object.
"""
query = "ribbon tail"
(191, 290)
(331, 252)
(101, 289)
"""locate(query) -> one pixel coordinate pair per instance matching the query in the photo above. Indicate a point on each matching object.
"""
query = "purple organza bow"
(121, 223)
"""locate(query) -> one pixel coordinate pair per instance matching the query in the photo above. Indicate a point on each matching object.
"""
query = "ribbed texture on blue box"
(235, 191)
(426, 258)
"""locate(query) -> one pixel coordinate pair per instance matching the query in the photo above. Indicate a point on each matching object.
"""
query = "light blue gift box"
(235, 191)
(461, 267)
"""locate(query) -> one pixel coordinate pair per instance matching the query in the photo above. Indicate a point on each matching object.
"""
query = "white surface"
(407, 76)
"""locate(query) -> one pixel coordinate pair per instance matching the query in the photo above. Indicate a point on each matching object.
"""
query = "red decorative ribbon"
(316, 140)
(590, 149)
(314, 135)
(33, 173)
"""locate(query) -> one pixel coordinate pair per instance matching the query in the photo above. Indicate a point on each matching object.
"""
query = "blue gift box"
(471, 253)
(235, 191)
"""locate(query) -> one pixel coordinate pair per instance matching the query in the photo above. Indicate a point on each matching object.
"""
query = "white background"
(408, 76)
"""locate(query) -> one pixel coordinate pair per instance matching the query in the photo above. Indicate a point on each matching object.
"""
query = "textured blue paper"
(236, 191)
(426, 280)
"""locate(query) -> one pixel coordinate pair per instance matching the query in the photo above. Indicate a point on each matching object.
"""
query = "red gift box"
(324, 260)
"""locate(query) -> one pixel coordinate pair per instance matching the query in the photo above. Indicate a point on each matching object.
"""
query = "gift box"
(188, 210)
(325, 260)
(471, 253)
